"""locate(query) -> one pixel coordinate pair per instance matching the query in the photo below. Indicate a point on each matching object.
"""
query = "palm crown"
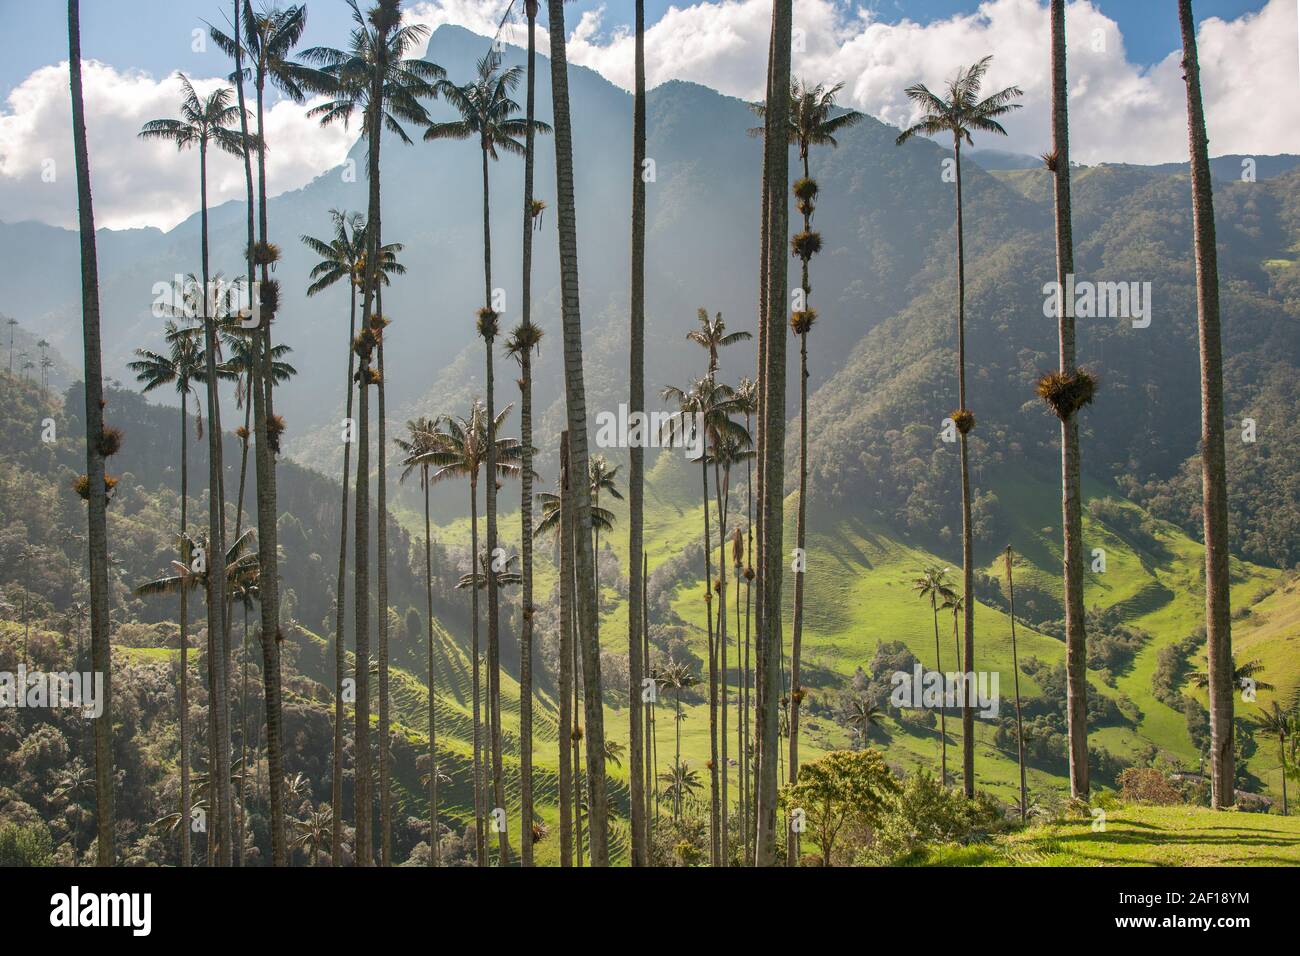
(377, 51)
(963, 112)
(203, 121)
(486, 110)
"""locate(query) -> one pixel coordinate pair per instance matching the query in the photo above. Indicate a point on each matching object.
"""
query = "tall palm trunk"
(96, 493)
(526, 474)
(715, 822)
(776, 176)
(434, 850)
(967, 544)
(381, 555)
(721, 487)
(1214, 481)
(340, 614)
(364, 839)
(796, 631)
(1015, 670)
(219, 701)
(184, 715)
(648, 717)
(565, 587)
(636, 479)
(576, 407)
(1076, 650)
(746, 757)
(493, 595)
(943, 708)
(264, 467)
(480, 838)
(760, 451)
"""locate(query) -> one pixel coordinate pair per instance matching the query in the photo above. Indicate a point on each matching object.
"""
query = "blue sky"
(154, 35)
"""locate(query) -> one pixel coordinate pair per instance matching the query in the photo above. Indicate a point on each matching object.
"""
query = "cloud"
(136, 183)
(1120, 111)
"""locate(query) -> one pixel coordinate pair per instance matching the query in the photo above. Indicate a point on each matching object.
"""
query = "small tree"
(842, 788)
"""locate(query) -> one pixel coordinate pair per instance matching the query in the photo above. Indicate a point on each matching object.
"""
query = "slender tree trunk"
(760, 453)
(243, 745)
(1214, 482)
(715, 821)
(184, 717)
(565, 588)
(943, 709)
(575, 403)
(364, 838)
(480, 838)
(721, 490)
(493, 596)
(648, 722)
(636, 478)
(796, 631)
(219, 759)
(967, 544)
(526, 474)
(1076, 650)
(746, 759)
(96, 493)
(776, 172)
(381, 554)
(1015, 670)
(433, 741)
(264, 466)
(340, 615)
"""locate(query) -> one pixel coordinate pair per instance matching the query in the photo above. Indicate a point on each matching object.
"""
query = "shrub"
(1148, 785)
(25, 845)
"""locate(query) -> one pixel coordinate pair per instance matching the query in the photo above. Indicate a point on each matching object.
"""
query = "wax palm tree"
(523, 340)
(677, 677)
(772, 348)
(376, 77)
(1278, 723)
(637, 641)
(97, 450)
(810, 124)
(1214, 481)
(863, 715)
(313, 832)
(681, 783)
(576, 415)
(343, 257)
(711, 404)
(180, 367)
(488, 114)
(266, 428)
(712, 335)
(932, 585)
(961, 114)
(1066, 391)
(205, 123)
(728, 451)
(423, 436)
(461, 452)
